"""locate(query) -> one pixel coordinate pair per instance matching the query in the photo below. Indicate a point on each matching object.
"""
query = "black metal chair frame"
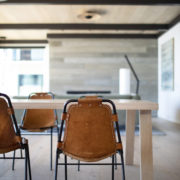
(114, 163)
(24, 146)
(51, 137)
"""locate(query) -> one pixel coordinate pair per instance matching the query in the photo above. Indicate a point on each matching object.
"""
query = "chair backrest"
(39, 119)
(10, 138)
(89, 130)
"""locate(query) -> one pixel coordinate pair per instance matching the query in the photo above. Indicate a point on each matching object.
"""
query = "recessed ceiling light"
(89, 15)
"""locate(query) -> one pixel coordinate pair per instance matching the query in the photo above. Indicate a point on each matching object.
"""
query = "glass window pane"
(29, 83)
(15, 54)
(37, 54)
(25, 54)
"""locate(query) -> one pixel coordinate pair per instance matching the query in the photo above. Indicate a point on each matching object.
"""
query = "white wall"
(169, 101)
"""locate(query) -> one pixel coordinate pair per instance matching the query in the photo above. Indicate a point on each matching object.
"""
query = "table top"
(59, 103)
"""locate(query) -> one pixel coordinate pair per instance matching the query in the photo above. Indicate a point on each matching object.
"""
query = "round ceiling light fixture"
(89, 15)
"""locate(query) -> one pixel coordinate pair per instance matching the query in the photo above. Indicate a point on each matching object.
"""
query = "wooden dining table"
(131, 107)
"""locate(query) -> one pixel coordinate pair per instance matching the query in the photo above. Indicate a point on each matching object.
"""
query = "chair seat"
(37, 129)
(39, 120)
(10, 136)
(10, 148)
(89, 133)
(90, 157)
(17, 145)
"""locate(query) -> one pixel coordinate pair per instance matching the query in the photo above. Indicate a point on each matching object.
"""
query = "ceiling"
(37, 22)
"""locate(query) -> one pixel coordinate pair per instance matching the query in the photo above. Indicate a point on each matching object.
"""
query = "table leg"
(130, 127)
(146, 156)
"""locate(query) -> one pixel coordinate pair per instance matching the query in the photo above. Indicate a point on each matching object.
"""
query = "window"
(24, 70)
(23, 54)
(29, 83)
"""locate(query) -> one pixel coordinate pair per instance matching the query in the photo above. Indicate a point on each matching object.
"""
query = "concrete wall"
(93, 64)
(169, 101)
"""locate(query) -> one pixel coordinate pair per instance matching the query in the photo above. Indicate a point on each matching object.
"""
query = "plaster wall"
(169, 101)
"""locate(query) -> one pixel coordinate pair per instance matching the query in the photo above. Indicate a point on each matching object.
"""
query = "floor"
(166, 156)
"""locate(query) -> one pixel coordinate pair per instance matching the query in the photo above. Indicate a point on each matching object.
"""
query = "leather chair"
(10, 136)
(89, 134)
(39, 120)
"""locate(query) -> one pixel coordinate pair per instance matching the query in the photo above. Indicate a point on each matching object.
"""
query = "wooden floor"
(166, 156)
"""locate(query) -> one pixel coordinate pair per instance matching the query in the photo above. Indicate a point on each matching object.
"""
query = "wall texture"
(93, 64)
(169, 101)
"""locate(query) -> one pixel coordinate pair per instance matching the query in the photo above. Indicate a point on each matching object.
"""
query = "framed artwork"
(167, 65)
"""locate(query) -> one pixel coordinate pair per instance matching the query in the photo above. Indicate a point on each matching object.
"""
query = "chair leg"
(21, 153)
(28, 161)
(78, 165)
(51, 141)
(13, 163)
(56, 165)
(57, 130)
(4, 156)
(122, 161)
(112, 167)
(65, 161)
(115, 161)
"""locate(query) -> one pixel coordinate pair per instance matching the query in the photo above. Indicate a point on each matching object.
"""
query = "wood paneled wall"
(93, 64)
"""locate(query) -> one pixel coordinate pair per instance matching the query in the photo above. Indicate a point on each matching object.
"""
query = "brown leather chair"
(89, 133)
(39, 120)
(10, 137)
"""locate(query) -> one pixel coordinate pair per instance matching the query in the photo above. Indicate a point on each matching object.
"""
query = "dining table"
(144, 108)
